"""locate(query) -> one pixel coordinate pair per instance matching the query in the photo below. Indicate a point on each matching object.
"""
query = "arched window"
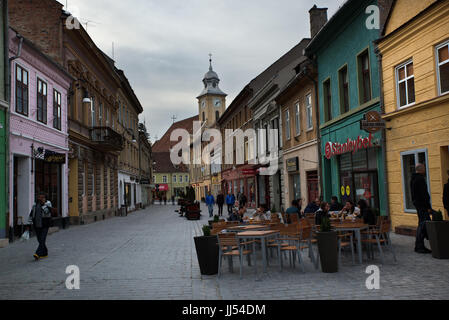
(217, 115)
(204, 116)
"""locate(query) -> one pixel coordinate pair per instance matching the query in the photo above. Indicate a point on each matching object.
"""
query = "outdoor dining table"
(355, 227)
(263, 236)
(248, 227)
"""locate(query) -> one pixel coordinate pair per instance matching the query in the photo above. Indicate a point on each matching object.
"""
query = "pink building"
(38, 131)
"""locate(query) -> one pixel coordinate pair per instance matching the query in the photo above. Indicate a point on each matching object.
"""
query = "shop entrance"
(365, 186)
(48, 180)
(312, 186)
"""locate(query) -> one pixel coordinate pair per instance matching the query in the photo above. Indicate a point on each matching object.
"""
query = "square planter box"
(438, 232)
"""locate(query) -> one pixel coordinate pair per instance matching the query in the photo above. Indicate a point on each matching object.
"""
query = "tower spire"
(210, 61)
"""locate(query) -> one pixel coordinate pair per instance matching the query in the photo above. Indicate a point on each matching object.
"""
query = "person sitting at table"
(293, 210)
(260, 214)
(366, 213)
(322, 212)
(313, 206)
(349, 209)
(241, 213)
(335, 205)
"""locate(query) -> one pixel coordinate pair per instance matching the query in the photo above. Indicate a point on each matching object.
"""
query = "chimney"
(318, 18)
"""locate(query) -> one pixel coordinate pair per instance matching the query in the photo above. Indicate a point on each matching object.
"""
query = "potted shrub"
(216, 219)
(327, 247)
(438, 231)
(207, 252)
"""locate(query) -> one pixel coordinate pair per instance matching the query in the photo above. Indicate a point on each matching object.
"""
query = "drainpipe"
(318, 134)
(384, 138)
(8, 117)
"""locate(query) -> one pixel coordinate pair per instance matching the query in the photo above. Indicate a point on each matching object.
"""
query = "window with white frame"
(174, 178)
(405, 84)
(297, 119)
(187, 179)
(287, 125)
(180, 179)
(409, 161)
(443, 68)
(164, 179)
(309, 112)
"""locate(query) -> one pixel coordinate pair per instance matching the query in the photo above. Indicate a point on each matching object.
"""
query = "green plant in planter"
(273, 208)
(325, 225)
(206, 230)
(216, 218)
(437, 216)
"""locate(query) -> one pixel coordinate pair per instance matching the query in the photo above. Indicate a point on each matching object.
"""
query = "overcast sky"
(163, 45)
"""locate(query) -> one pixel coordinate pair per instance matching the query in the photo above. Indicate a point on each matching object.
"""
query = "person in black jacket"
(40, 216)
(366, 213)
(421, 201)
(220, 203)
(446, 195)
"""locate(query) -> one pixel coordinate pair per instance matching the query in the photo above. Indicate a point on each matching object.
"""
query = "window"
(100, 114)
(327, 100)
(174, 178)
(56, 110)
(21, 90)
(106, 111)
(409, 161)
(119, 112)
(93, 181)
(92, 110)
(443, 68)
(275, 126)
(180, 179)
(287, 125)
(41, 101)
(217, 115)
(204, 117)
(83, 175)
(187, 179)
(364, 78)
(405, 84)
(344, 90)
(297, 119)
(309, 112)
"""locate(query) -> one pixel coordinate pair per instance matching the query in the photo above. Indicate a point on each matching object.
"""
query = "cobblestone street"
(151, 255)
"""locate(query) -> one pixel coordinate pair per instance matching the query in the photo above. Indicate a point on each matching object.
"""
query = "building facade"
(300, 136)
(415, 69)
(4, 127)
(145, 166)
(38, 132)
(129, 108)
(353, 161)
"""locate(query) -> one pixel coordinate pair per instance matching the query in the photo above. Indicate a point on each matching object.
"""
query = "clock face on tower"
(217, 103)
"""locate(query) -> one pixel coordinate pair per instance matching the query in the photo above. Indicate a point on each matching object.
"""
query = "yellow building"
(415, 67)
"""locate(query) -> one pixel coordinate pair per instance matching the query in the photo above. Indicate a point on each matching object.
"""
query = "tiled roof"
(163, 164)
(164, 144)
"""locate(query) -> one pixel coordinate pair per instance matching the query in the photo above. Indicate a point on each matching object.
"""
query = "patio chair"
(230, 240)
(291, 235)
(380, 236)
(345, 239)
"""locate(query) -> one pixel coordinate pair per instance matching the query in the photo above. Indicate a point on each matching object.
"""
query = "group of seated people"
(316, 207)
(321, 209)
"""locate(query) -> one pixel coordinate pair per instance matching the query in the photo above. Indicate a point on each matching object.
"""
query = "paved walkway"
(151, 255)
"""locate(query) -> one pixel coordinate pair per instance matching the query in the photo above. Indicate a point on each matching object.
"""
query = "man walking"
(421, 201)
(40, 216)
(230, 201)
(220, 203)
(210, 201)
(242, 199)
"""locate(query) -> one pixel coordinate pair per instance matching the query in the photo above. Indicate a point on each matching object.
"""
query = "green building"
(353, 165)
(4, 106)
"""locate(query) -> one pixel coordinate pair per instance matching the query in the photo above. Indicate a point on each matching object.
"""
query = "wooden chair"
(345, 239)
(230, 240)
(291, 235)
(380, 236)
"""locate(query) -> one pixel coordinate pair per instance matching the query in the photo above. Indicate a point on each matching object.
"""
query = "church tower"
(211, 101)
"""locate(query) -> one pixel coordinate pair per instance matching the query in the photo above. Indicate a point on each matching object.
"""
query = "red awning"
(163, 187)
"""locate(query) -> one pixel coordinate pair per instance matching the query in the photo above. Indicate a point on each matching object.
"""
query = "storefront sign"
(293, 164)
(373, 122)
(249, 172)
(53, 157)
(336, 148)
(145, 181)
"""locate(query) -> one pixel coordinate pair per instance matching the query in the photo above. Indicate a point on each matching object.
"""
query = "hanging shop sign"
(335, 148)
(292, 164)
(372, 122)
(49, 156)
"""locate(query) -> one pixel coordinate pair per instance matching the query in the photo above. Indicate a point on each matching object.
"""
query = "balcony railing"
(106, 139)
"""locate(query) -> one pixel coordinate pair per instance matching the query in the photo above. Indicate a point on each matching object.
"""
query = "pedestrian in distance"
(220, 203)
(210, 202)
(165, 200)
(242, 199)
(40, 217)
(230, 202)
(421, 201)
